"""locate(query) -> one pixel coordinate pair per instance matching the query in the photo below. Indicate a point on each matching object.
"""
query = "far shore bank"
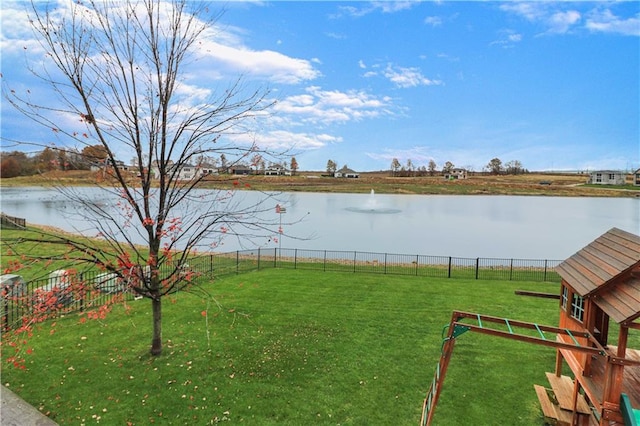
(539, 184)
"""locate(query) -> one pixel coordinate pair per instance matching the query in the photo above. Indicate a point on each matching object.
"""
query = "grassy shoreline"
(555, 184)
(289, 347)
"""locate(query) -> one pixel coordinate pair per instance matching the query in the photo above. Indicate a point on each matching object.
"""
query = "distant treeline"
(18, 163)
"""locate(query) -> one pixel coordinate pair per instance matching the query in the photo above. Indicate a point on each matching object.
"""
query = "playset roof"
(608, 271)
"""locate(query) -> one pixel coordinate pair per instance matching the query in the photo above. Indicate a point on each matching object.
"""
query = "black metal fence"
(387, 263)
(63, 292)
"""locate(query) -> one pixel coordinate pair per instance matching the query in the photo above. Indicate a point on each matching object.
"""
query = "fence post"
(477, 266)
(83, 293)
(237, 261)
(211, 263)
(258, 258)
(385, 263)
(545, 270)
(324, 264)
(355, 255)
(5, 317)
(417, 260)
(449, 272)
(511, 271)
(295, 259)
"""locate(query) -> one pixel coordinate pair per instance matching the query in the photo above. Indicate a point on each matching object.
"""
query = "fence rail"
(392, 264)
(10, 222)
(93, 289)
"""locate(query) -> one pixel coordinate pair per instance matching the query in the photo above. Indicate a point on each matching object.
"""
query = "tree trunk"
(156, 343)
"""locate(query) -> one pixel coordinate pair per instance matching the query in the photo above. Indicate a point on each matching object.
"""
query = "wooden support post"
(558, 370)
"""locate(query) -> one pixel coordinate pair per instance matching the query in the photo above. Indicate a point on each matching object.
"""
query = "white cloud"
(336, 36)
(278, 140)
(508, 39)
(515, 37)
(16, 35)
(448, 57)
(408, 77)
(265, 64)
(532, 11)
(220, 54)
(375, 6)
(394, 6)
(434, 21)
(606, 21)
(561, 22)
(319, 106)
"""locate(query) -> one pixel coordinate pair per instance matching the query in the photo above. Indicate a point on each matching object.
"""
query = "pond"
(521, 227)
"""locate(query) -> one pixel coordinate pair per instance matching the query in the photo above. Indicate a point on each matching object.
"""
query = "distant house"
(240, 169)
(155, 168)
(207, 170)
(97, 166)
(277, 170)
(346, 172)
(636, 177)
(607, 177)
(120, 165)
(456, 173)
(187, 172)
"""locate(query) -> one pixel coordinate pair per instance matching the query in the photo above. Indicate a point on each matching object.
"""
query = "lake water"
(521, 227)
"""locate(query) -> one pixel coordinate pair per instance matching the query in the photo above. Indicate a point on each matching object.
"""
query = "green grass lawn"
(293, 347)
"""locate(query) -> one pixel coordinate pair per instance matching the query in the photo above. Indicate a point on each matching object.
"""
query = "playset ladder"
(433, 394)
(462, 322)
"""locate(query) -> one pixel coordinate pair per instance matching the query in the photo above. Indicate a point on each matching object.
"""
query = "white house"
(187, 172)
(456, 173)
(206, 170)
(346, 172)
(276, 170)
(607, 177)
(155, 170)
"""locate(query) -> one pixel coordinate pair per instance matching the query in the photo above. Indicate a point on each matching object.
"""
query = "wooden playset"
(599, 304)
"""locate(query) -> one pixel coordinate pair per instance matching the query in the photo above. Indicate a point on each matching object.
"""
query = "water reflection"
(525, 227)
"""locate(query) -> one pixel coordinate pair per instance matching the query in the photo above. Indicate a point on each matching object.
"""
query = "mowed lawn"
(293, 347)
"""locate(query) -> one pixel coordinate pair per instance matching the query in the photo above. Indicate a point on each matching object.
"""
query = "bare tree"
(118, 67)
(331, 167)
(410, 167)
(432, 167)
(395, 166)
(513, 167)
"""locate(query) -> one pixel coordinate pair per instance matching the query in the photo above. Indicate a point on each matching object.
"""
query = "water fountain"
(372, 206)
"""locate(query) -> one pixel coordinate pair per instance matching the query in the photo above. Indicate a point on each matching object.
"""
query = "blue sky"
(554, 85)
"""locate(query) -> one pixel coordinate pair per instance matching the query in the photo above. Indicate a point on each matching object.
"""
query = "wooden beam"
(537, 294)
(531, 339)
